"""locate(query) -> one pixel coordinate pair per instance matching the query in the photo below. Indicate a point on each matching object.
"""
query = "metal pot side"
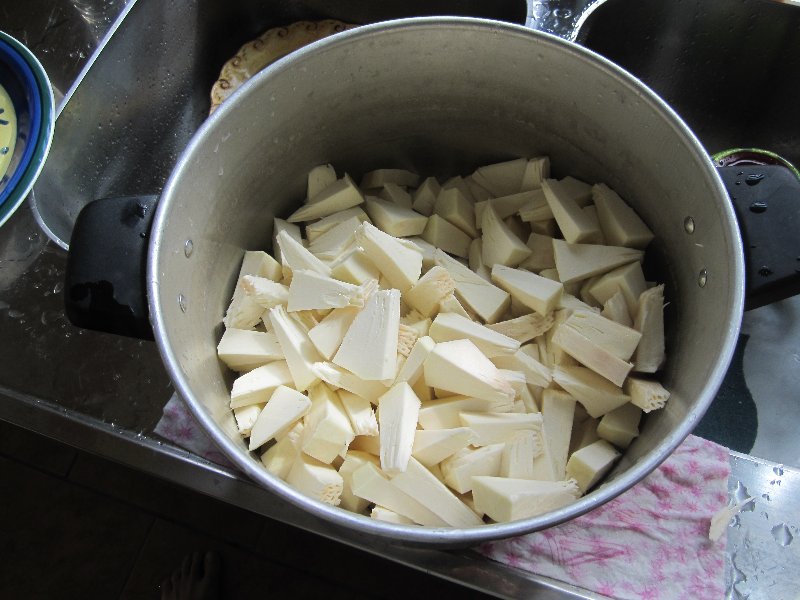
(443, 96)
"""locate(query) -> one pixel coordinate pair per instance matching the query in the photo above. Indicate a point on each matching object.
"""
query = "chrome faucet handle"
(563, 18)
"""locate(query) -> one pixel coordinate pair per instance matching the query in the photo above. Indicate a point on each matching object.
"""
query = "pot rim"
(430, 536)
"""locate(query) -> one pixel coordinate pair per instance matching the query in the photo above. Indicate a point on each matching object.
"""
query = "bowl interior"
(442, 97)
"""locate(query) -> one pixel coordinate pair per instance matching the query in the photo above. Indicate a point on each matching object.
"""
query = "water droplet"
(15, 314)
(754, 178)
(58, 287)
(765, 271)
(778, 470)
(562, 13)
(188, 248)
(4, 150)
(765, 497)
(688, 225)
(741, 496)
(782, 535)
(758, 207)
(221, 171)
(702, 278)
(182, 302)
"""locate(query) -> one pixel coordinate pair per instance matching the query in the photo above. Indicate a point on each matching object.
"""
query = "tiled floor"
(76, 526)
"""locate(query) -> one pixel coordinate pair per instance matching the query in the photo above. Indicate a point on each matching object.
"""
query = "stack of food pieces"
(447, 354)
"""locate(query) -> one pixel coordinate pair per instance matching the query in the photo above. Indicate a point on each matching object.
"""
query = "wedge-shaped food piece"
(406, 338)
(617, 339)
(292, 230)
(535, 373)
(316, 480)
(583, 434)
(500, 245)
(338, 377)
(620, 223)
(243, 311)
(412, 368)
(369, 348)
(575, 225)
(432, 446)
(475, 259)
(589, 464)
(450, 326)
(524, 328)
(541, 256)
(317, 228)
(400, 263)
(536, 171)
(627, 279)
(460, 183)
(380, 513)
(488, 301)
(425, 196)
(616, 309)
(621, 425)
(340, 195)
(396, 194)
(597, 395)
(649, 320)
(450, 304)
(354, 267)
(380, 177)
(257, 385)
(479, 193)
(502, 179)
(536, 292)
(646, 394)
(579, 191)
(279, 458)
(419, 482)
(334, 242)
(591, 212)
(506, 206)
(327, 336)
(327, 432)
(370, 483)
(395, 219)
(398, 410)
(427, 293)
(459, 469)
(352, 461)
(246, 417)
(519, 454)
(311, 291)
(494, 428)
(260, 264)
(591, 354)
(297, 256)
(427, 249)
(558, 411)
(282, 411)
(579, 261)
(264, 291)
(371, 444)
(455, 208)
(296, 346)
(460, 368)
(538, 211)
(441, 233)
(504, 499)
(359, 410)
(319, 178)
(444, 412)
(245, 349)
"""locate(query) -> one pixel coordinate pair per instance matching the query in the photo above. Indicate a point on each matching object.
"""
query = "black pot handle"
(106, 266)
(766, 198)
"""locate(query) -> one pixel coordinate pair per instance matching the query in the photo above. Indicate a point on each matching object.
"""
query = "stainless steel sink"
(730, 68)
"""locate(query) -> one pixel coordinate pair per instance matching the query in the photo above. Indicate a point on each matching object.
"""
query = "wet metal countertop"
(104, 394)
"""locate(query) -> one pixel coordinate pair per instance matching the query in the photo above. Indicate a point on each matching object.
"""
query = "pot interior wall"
(441, 100)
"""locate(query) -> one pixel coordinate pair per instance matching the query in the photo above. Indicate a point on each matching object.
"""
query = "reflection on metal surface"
(762, 558)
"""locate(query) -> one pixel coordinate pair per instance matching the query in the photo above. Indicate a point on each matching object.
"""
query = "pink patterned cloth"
(178, 425)
(650, 543)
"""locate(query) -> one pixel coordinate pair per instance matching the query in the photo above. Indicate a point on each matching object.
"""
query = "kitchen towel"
(650, 543)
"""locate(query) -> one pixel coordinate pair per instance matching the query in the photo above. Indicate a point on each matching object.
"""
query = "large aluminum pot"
(442, 96)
